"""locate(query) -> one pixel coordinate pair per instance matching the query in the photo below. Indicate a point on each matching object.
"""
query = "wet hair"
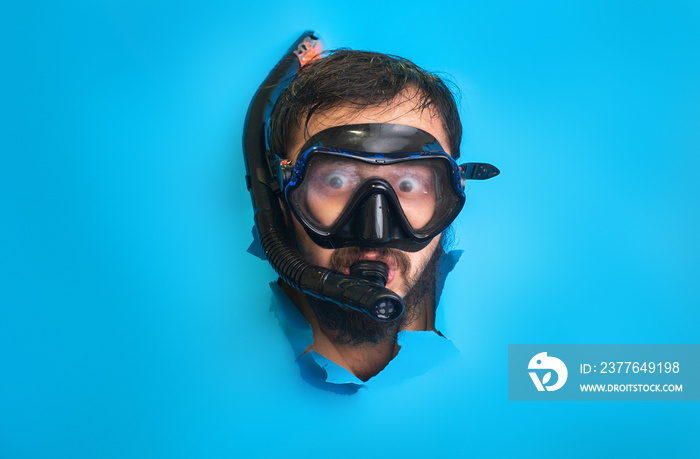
(358, 79)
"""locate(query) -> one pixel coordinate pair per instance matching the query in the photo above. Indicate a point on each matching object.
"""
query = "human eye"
(408, 185)
(336, 180)
(413, 185)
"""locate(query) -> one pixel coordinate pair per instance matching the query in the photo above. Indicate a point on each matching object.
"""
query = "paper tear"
(255, 247)
(293, 323)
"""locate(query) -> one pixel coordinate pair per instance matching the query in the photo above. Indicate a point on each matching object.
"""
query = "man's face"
(404, 267)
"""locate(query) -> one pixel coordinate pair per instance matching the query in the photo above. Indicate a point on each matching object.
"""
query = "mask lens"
(415, 184)
(422, 185)
(329, 183)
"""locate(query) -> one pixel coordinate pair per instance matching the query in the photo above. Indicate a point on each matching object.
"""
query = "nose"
(374, 219)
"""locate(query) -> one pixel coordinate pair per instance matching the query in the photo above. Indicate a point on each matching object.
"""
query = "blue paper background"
(134, 324)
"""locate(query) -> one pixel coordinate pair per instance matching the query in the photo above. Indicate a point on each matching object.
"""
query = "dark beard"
(352, 328)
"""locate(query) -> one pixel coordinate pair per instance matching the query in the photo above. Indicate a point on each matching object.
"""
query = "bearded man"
(363, 146)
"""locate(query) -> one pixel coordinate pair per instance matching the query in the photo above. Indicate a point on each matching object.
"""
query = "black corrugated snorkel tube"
(351, 292)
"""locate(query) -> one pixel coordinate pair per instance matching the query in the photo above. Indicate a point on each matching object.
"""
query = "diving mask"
(376, 185)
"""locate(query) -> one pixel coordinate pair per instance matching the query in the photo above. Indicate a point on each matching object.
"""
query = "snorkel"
(373, 185)
(369, 297)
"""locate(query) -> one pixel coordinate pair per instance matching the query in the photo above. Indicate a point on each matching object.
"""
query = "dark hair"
(358, 79)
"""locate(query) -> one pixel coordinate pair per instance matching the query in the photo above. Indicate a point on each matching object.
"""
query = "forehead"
(400, 112)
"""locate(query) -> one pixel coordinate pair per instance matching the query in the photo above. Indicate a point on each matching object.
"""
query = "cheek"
(325, 211)
(420, 259)
(310, 251)
(419, 215)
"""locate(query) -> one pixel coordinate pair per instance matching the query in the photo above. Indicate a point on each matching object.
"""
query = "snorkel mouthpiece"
(373, 271)
(385, 307)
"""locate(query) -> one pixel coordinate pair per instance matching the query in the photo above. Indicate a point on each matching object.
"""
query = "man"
(372, 138)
